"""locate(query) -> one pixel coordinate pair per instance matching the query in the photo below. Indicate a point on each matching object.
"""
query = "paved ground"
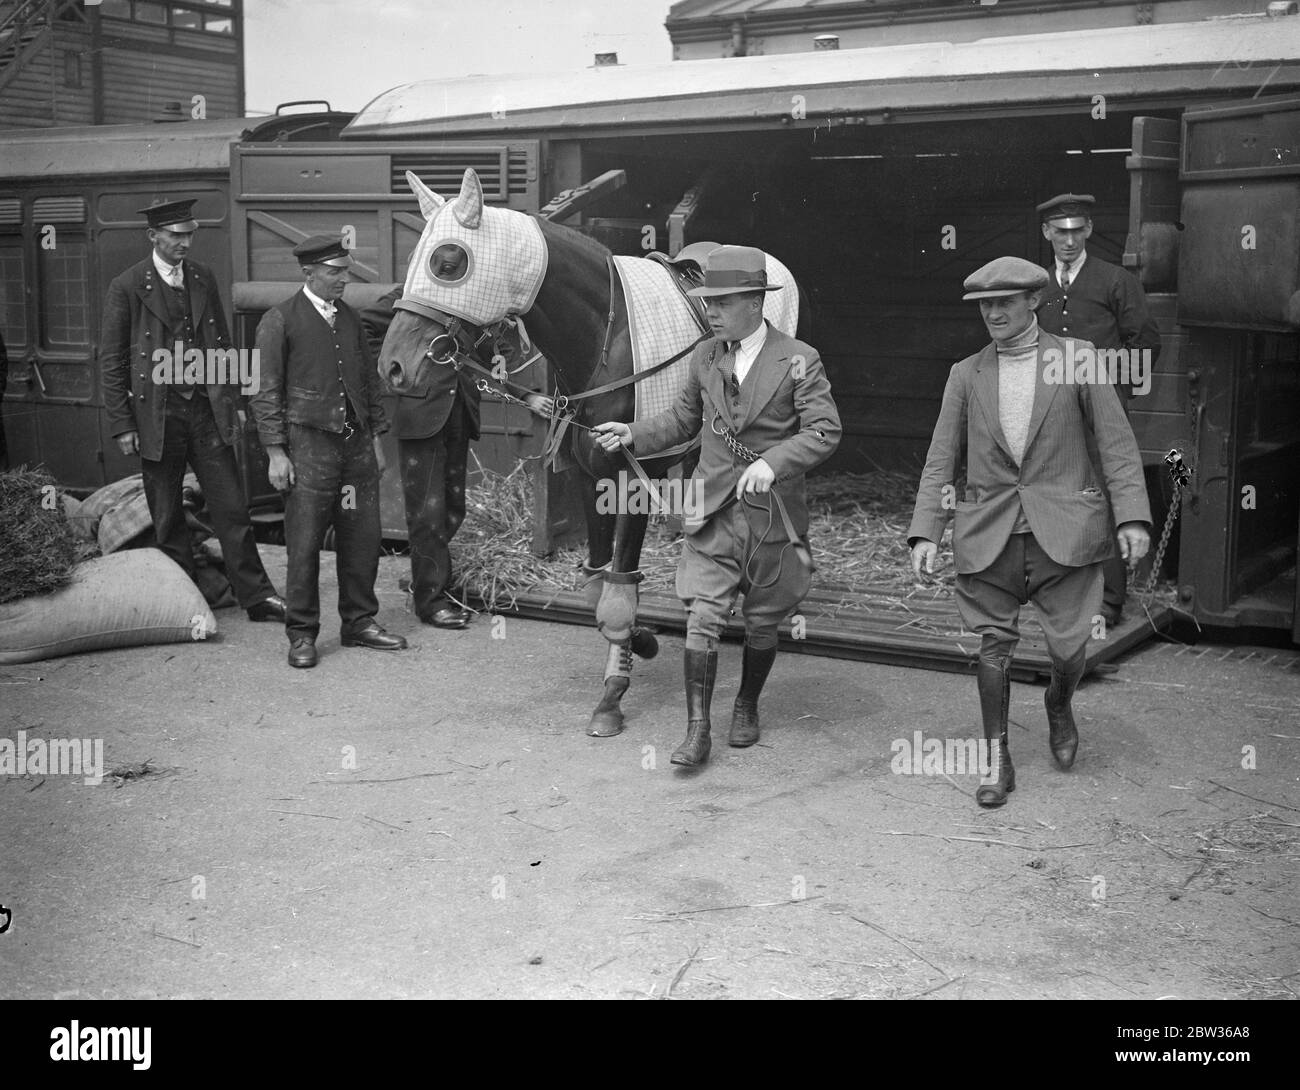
(437, 823)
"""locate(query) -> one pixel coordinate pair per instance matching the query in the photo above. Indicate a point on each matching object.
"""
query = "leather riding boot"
(754, 668)
(1063, 737)
(994, 681)
(701, 669)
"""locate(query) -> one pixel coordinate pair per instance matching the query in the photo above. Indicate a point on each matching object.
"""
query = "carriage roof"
(995, 75)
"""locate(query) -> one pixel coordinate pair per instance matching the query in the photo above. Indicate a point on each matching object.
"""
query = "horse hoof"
(605, 724)
(644, 644)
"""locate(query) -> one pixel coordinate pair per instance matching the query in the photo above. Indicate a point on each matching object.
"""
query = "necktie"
(1065, 278)
(329, 314)
(731, 347)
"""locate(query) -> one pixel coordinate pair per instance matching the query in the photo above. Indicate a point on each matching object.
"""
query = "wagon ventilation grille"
(505, 171)
(11, 211)
(59, 210)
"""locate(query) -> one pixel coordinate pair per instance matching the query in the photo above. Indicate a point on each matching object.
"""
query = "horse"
(474, 269)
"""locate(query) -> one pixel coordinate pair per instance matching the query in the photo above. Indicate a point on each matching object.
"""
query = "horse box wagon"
(880, 177)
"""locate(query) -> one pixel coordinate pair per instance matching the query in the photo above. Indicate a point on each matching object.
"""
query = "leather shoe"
(269, 609)
(448, 617)
(375, 638)
(302, 653)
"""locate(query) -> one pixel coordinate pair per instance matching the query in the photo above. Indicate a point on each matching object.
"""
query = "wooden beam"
(565, 204)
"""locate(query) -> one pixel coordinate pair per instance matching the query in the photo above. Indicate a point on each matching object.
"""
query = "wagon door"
(1233, 383)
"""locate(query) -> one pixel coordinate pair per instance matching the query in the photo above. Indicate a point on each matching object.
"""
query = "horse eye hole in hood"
(449, 263)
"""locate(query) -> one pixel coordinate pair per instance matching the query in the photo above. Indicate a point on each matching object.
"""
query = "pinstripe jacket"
(1055, 482)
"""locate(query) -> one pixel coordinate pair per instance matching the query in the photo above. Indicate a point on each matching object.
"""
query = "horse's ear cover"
(430, 202)
(468, 208)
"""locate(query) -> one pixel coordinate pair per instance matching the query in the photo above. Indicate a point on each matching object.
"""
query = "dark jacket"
(134, 326)
(422, 414)
(1056, 482)
(1105, 306)
(784, 412)
(302, 360)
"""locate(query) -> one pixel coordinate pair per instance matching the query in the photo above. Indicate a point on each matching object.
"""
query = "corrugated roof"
(1169, 59)
(119, 149)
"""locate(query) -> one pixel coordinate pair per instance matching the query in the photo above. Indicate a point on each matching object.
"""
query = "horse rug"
(661, 324)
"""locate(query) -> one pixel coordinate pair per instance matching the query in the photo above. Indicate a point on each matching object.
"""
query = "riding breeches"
(726, 557)
(1067, 599)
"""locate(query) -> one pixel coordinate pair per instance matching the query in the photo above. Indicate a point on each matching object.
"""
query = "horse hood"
(506, 254)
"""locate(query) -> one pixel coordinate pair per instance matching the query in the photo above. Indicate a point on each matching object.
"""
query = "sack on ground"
(122, 600)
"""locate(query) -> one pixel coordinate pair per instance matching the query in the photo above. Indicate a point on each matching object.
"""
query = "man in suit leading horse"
(159, 304)
(1034, 523)
(762, 404)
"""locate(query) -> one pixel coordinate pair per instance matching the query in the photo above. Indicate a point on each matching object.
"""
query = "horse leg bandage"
(618, 663)
(616, 610)
(591, 584)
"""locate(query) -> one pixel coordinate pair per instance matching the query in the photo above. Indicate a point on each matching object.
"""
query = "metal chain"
(733, 444)
(1181, 475)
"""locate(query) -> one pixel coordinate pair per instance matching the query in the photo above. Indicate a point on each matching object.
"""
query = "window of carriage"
(62, 271)
(13, 293)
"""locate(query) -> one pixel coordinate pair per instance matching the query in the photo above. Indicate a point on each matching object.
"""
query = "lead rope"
(776, 507)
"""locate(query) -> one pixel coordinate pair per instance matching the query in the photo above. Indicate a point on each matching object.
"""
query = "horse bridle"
(460, 341)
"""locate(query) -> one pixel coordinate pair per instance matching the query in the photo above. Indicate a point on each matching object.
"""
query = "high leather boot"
(994, 682)
(1062, 736)
(701, 668)
(754, 668)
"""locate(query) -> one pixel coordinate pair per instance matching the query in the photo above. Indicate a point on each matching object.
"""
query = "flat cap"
(729, 270)
(1067, 210)
(1004, 276)
(322, 250)
(171, 215)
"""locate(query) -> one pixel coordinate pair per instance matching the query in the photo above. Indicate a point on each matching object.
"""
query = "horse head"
(474, 267)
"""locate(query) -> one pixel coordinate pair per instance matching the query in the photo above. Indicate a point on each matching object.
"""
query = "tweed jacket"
(302, 360)
(134, 326)
(1055, 482)
(783, 411)
(424, 413)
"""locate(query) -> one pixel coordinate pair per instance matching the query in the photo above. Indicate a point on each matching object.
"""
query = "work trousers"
(337, 484)
(433, 489)
(190, 435)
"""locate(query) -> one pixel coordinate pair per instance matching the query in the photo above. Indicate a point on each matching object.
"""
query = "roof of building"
(995, 75)
(119, 149)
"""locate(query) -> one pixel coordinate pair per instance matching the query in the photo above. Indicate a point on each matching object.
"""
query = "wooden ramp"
(872, 626)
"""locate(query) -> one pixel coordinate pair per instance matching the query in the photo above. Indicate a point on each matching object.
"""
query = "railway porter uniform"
(164, 302)
(319, 417)
(1088, 299)
(762, 405)
(1033, 525)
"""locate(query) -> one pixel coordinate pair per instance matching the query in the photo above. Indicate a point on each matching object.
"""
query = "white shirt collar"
(751, 345)
(325, 307)
(165, 270)
(1074, 269)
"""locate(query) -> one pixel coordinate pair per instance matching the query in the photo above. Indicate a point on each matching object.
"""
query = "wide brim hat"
(1004, 276)
(731, 270)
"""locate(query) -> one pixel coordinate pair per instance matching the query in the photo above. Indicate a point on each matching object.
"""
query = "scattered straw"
(857, 525)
